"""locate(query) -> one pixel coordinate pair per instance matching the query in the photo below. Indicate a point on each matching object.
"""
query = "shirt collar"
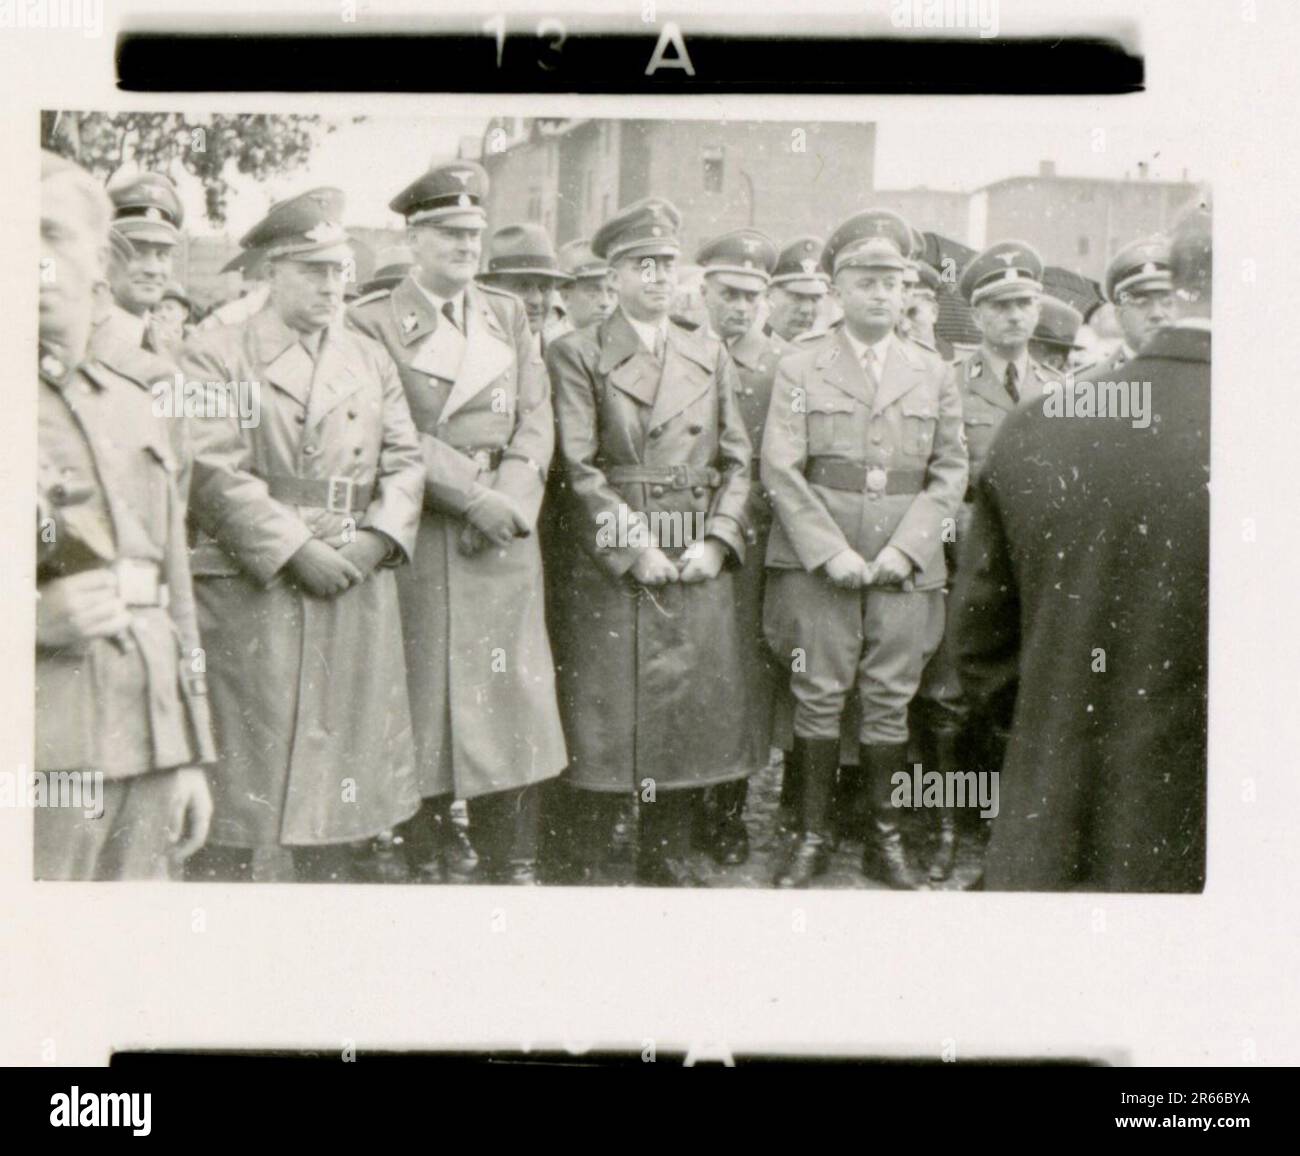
(1201, 323)
(458, 302)
(648, 331)
(999, 365)
(879, 349)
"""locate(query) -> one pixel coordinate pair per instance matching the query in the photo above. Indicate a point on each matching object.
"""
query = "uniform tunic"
(902, 435)
(755, 356)
(310, 702)
(478, 659)
(652, 683)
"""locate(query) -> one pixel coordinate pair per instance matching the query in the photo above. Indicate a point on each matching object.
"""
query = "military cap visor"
(450, 195)
(147, 208)
(801, 286)
(873, 239)
(305, 228)
(647, 228)
(1006, 269)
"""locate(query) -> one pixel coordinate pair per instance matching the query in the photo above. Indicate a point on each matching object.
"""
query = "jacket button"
(300, 418)
(656, 491)
(698, 491)
(356, 451)
(352, 414)
(308, 451)
(654, 433)
(697, 428)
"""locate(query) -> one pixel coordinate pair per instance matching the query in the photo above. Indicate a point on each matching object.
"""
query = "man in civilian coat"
(305, 494)
(1082, 621)
(487, 725)
(657, 464)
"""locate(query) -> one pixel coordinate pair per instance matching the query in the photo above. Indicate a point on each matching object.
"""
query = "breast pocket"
(919, 422)
(832, 424)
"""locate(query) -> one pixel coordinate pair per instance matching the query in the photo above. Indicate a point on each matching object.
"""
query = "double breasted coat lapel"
(489, 352)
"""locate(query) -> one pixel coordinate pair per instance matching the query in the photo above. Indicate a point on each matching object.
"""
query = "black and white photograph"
(621, 504)
(771, 530)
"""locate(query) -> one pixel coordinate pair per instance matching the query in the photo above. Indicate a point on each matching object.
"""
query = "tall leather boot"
(787, 815)
(817, 760)
(886, 857)
(945, 856)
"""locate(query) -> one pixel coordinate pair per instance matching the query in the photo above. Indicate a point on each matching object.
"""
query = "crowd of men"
(505, 531)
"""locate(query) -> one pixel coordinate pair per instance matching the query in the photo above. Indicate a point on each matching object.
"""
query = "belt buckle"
(680, 477)
(335, 504)
(877, 479)
(137, 582)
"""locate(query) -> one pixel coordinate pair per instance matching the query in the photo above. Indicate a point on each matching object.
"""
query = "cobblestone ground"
(845, 870)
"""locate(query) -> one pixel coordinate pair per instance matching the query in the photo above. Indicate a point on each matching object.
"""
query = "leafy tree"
(210, 146)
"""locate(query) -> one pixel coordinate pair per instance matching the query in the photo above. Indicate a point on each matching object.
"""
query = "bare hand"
(190, 812)
(323, 571)
(472, 541)
(892, 566)
(849, 570)
(497, 517)
(73, 610)
(653, 567)
(703, 560)
(366, 551)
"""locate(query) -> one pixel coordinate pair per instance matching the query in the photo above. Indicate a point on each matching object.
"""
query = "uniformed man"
(863, 459)
(1055, 333)
(306, 494)
(487, 725)
(120, 691)
(171, 317)
(588, 295)
(521, 260)
(1003, 286)
(149, 213)
(1138, 285)
(737, 267)
(1095, 532)
(922, 312)
(657, 463)
(796, 289)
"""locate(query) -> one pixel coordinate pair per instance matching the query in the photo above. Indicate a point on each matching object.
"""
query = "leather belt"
(139, 583)
(337, 494)
(675, 477)
(859, 478)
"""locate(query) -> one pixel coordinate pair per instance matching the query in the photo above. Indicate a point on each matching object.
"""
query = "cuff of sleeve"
(730, 533)
(265, 565)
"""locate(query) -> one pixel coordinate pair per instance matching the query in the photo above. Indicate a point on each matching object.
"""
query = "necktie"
(869, 364)
(661, 345)
(449, 312)
(1011, 382)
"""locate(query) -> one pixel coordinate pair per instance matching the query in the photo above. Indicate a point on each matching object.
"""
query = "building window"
(604, 207)
(713, 168)
(1084, 246)
(534, 204)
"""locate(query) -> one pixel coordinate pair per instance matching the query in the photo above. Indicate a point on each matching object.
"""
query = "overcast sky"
(373, 160)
